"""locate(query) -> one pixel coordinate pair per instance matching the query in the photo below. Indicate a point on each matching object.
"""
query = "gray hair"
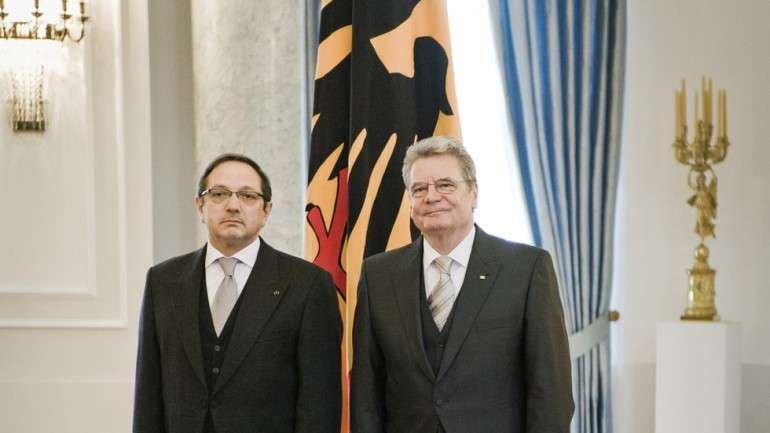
(436, 146)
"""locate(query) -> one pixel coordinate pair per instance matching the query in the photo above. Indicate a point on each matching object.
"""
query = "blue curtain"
(564, 64)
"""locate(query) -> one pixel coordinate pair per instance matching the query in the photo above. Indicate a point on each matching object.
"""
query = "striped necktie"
(442, 295)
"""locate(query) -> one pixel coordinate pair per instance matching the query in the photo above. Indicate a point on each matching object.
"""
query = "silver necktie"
(226, 296)
(442, 296)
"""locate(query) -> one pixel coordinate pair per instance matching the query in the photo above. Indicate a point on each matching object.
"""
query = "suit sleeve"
(547, 360)
(319, 395)
(367, 379)
(148, 392)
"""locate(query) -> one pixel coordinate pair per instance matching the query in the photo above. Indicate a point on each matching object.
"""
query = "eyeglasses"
(221, 195)
(443, 187)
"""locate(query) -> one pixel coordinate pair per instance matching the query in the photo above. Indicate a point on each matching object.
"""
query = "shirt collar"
(247, 255)
(460, 254)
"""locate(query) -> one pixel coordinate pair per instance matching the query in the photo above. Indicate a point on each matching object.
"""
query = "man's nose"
(233, 203)
(431, 195)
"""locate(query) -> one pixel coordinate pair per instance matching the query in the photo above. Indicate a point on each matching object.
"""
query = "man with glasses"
(237, 336)
(459, 331)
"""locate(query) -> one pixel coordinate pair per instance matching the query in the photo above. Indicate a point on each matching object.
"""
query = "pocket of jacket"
(490, 324)
(276, 334)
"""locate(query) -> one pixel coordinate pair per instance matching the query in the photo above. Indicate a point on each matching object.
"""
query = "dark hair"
(267, 192)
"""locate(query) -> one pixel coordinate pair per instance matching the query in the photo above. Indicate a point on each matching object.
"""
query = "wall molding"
(98, 297)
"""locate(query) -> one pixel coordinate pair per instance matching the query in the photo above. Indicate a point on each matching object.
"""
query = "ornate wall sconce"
(27, 104)
(38, 28)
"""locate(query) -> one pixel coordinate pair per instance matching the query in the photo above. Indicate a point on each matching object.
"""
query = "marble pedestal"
(698, 377)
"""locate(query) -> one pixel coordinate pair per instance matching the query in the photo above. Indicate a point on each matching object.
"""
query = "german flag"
(383, 81)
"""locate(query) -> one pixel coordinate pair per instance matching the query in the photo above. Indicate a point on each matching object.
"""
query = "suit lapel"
(186, 303)
(406, 286)
(480, 276)
(261, 295)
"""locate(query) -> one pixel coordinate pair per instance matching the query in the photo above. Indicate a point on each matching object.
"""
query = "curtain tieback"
(584, 340)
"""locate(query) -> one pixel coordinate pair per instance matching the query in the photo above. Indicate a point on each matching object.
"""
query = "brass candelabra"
(38, 29)
(700, 155)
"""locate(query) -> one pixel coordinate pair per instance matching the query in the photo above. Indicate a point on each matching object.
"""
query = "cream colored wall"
(68, 340)
(173, 128)
(137, 110)
(668, 41)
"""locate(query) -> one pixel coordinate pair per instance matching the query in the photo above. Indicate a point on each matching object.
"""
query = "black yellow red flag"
(383, 80)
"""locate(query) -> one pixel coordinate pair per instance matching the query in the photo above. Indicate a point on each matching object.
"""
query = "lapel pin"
(276, 292)
(482, 277)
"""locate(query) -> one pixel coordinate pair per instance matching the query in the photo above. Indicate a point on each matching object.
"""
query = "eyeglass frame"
(453, 183)
(238, 195)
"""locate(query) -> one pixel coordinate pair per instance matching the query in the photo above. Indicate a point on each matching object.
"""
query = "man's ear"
(268, 208)
(199, 209)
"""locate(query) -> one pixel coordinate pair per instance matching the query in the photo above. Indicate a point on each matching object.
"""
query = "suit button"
(440, 402)
(441, 345)
(217, 348)
(215, 370)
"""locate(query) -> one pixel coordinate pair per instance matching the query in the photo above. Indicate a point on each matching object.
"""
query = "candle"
(719, 113)
(724, 112)
(684, 104)
(64, 6)
(705, 100)
(703, 93)
(2, 4)
(82, 7)
(677, 113)
(711, 100)
(682, 113)
(697, 111)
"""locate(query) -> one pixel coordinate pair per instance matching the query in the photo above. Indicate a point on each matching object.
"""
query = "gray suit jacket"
(506, 365)
(281, 370)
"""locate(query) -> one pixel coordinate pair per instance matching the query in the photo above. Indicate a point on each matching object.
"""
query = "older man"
(237, 337)
(459, 332)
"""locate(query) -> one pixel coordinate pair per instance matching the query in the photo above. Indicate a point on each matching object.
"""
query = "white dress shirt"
(214, 273)
(460, 257)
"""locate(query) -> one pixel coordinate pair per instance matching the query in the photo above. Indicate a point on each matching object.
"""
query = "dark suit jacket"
(506, 365)
(281, 370)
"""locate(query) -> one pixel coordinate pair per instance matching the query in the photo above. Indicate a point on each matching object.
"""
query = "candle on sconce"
(82, 7)
(719, 113)
(711, 100)
(703, 99)
(64, 6)
(724, 111)
(684, 104)
(697, 110)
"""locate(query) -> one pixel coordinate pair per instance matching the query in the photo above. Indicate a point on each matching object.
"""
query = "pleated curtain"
(564, 67)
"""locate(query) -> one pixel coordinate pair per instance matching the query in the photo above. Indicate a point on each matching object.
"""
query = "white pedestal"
(698, 386)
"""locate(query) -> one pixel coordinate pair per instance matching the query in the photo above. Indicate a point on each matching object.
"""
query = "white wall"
(668, 41)
(84, 221)
(173, 129)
